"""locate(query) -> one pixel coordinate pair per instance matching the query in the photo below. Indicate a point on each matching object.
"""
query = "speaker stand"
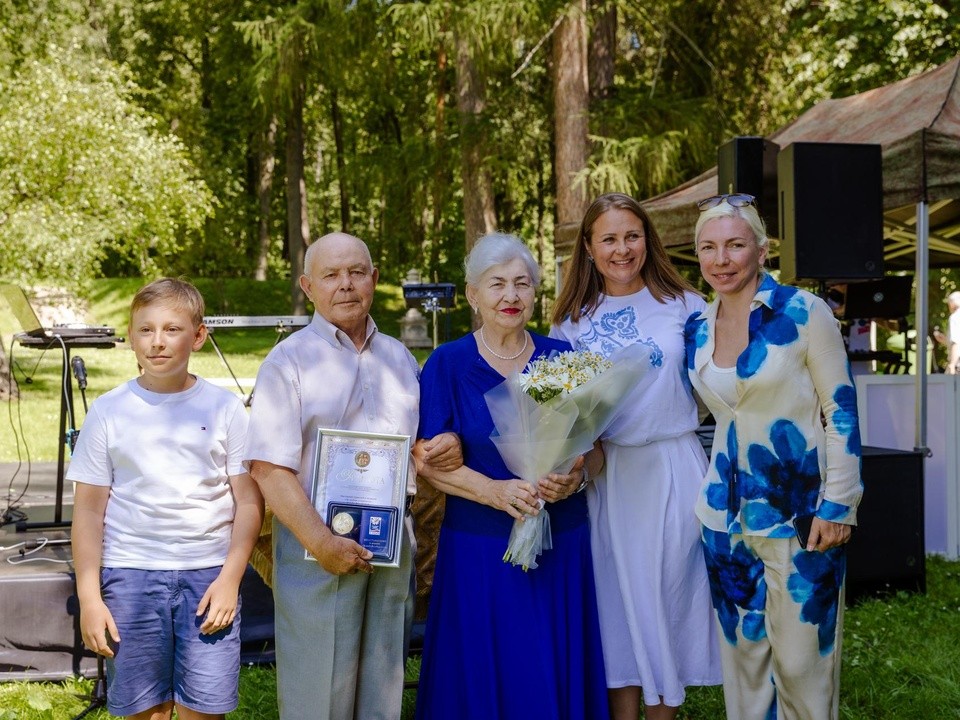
(98, 697)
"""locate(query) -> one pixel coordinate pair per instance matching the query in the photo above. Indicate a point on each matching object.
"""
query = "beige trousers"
(780, 615)
(340, 641)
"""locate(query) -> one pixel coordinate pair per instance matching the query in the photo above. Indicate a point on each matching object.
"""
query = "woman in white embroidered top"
(655, 618)
(781, 493)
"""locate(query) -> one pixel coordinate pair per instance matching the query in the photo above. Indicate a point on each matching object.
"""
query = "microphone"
(79, 372)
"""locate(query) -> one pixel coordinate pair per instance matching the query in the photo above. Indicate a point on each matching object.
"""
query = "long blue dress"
(502, 643)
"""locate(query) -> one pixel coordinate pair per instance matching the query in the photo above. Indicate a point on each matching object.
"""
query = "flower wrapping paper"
(535, 439)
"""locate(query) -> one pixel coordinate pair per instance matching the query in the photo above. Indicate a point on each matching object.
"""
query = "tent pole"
(921, 369)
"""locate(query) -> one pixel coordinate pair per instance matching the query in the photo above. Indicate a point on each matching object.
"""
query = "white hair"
(954, 298)
(747, 213)
(498, 249)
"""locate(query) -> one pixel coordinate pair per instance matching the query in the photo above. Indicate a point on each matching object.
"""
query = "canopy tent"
(917, 123)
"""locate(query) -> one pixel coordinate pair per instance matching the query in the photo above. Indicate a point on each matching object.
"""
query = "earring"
(474, 308)
(590, 258)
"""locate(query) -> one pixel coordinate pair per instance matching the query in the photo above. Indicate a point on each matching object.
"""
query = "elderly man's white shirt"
(317, 378)
(953, 328)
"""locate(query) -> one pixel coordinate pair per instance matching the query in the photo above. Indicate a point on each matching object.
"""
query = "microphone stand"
(98, 697)
(67, 437)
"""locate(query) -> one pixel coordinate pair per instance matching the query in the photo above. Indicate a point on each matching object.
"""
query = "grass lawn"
(901, 661)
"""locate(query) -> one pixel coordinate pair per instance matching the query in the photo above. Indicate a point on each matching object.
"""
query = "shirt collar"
(764, 291)
(335, 337)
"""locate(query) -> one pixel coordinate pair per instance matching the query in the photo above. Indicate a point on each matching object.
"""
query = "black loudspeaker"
(886, 551)
(888, 297)
(749, 165)
(831, 211)
(257, 646)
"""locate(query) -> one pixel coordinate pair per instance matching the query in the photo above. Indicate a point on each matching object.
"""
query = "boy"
(164, 507)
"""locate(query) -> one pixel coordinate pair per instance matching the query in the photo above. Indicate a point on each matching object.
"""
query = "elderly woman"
(781, 493)
(655, 617)
(502, 643)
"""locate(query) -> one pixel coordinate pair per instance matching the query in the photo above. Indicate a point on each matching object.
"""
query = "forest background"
(216, 139)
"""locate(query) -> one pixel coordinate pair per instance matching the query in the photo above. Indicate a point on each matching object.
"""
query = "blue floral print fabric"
(815, 586)
(737, 586)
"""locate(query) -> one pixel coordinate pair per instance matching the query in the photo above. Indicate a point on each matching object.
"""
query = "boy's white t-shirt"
(166, 458)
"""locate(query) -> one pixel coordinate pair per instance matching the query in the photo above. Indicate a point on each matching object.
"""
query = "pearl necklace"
(526, 339)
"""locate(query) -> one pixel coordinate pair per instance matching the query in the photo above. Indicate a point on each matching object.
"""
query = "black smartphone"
(802, 524)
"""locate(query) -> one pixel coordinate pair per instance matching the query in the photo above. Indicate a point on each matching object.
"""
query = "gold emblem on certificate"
(360, 489)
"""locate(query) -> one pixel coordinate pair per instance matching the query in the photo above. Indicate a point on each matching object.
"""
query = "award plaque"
(360, 489)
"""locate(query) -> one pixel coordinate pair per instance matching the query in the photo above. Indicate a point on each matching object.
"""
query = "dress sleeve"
(830, 371)
(436, 397)
(564, 331)
(693, 303)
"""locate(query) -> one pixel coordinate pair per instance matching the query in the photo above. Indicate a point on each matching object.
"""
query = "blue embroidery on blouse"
(622, 323)
(777, 485)
(815, 586)
(845, 417)
(615, 330)
(656, 354)
(773, 325)
(736, 583)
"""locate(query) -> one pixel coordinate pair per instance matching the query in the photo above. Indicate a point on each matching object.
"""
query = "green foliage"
(383, 135)
(847, 47)
(84, 170)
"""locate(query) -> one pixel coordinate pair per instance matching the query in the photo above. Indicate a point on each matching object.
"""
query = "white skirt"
(656, 620)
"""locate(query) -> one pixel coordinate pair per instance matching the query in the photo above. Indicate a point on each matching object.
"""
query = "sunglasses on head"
(732, 199)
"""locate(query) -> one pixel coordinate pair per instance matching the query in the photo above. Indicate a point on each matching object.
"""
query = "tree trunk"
(298, 224)
(603, 48)
(440, 182)
(341, 160)
(479, 213)
(266, 165)
(571, 105)
(541, 239)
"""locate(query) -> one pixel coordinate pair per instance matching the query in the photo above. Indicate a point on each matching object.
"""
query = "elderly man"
(340, 626)
(952, 339)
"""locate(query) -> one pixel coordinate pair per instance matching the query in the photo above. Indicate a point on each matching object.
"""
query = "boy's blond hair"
(174, 291)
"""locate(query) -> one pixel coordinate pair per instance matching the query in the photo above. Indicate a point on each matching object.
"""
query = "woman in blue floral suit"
(769, 362)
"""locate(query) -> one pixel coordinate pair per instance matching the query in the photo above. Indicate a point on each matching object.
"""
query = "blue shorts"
(162, 656)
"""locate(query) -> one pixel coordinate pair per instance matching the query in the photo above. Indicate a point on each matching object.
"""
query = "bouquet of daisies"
(549, 415)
